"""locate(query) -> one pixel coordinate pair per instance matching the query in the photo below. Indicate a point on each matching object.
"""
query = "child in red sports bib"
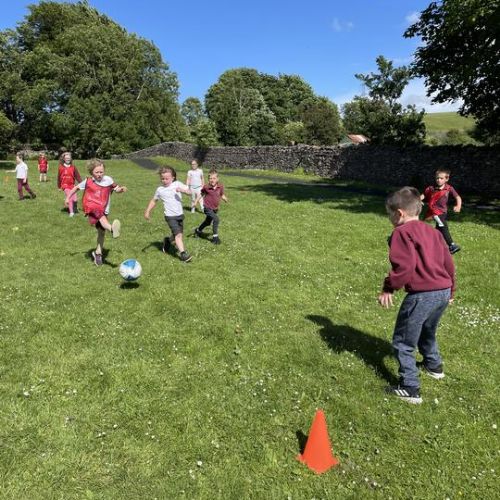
(43, 167)
(436, 198)
(96, 200)
(67, 176)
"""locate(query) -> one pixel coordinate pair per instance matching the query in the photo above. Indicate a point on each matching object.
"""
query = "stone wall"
(474, 169)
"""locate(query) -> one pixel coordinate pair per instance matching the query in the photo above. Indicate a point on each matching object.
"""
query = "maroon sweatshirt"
(420, 259)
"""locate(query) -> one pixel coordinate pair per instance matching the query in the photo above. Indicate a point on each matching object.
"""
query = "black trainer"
(454, 248)
(405, 393)
(166, 245)
(185, 257)
(97, 258)
(437, 372)
(197, 233)
(216, 240)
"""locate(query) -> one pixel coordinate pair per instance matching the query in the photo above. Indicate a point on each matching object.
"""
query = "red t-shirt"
(420, 259)
(212, 195)
(43, 165)
(437, 199)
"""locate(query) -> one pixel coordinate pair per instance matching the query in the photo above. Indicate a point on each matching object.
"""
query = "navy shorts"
(175, 224)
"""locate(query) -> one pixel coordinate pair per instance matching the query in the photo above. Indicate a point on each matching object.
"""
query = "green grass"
(442, 122)
(199, 381)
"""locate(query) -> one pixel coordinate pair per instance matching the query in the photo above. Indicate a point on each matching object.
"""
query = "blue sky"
(325, 42)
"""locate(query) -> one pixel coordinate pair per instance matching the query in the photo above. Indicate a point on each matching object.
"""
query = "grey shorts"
(175, 224)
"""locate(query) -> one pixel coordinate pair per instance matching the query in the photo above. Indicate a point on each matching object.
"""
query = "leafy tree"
(292, 133)
(72, 77)
(204, 133)
(192, 110)
(380, 116)
(238, 108)
(321, 121)
(460, 56)
(6, 129)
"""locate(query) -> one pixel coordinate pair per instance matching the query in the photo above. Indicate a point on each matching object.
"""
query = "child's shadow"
(159, 246)
(371, 350)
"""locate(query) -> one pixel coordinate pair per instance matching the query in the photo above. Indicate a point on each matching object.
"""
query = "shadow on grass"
(302, 440)
(369, 349)
(361, 200)
(105, 253)
(129, 285)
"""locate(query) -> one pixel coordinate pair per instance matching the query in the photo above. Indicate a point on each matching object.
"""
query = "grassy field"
(200, 380)
(442, 122)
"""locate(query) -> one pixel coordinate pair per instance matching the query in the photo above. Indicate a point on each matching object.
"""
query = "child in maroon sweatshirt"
(422, 264)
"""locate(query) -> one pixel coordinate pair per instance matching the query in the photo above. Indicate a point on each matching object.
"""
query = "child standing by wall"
(436, 198)
(212, 193)
(21, 171)
(422, 264)
(194, 182)
(43, 167)
(97, 191)
(170, 194)
(67, 176)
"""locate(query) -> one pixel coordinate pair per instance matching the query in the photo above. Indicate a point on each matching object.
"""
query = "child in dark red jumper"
(67, 176)
(436, 198)
(96, 201)
(422, 264)
(212, 193)
(43, 167)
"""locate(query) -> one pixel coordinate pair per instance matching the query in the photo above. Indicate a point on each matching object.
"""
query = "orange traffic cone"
(318, 452)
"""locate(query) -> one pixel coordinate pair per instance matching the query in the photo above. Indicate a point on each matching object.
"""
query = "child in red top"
(96, 201)
(212, 193)
(422, 264)
(43, 167)
(66, 177)
(436, 198)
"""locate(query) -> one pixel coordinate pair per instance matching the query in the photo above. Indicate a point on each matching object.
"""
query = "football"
(130, 269)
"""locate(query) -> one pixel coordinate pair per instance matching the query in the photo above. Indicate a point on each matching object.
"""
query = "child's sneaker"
(185, 257)
(71, 214)
(436, 372)
(115, 228)
(408, 394)
(193, 210)
(33, 196)
(216, 240)
(166, 245)
(454, 248)
(197, 233)
(97, 258)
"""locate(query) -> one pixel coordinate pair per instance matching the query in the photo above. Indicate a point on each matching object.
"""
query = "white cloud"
(412, 17)
(415, 93)
(339, 26)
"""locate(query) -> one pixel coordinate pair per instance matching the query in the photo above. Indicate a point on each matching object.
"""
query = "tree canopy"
(460, 56)
(72, 77)
(380, 116)
(251, 108)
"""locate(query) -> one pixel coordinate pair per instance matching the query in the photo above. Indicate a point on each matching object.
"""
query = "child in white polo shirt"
(195, 181)
(170, 194)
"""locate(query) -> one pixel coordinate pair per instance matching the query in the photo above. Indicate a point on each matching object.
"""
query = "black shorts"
(175, 224)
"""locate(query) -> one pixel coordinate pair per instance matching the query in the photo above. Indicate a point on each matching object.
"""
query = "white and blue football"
(130, 269)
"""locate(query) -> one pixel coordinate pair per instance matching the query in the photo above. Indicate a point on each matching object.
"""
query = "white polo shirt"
(171, 198)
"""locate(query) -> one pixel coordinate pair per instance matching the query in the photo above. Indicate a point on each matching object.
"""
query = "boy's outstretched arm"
(458, 204)
(224, 197)
(150, 207)
(70, 194)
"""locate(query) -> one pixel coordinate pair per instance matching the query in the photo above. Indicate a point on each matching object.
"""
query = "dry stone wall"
(474, 169)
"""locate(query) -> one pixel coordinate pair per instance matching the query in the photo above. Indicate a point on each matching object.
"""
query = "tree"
(380, 116)
(192, 110)
(460, 56)
(292, 133)
(204, 133)
(70, 76)
(321, 121)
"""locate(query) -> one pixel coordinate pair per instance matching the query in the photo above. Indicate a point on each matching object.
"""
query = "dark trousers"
(416, 326)
(442, 227)
(20, 186)
(211, 217)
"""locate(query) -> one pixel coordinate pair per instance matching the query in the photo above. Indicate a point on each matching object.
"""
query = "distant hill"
(439, 124)
(442, 122)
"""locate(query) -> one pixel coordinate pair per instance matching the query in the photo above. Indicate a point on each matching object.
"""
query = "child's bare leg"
(105, 223)
(101, 233)
(179, 243)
